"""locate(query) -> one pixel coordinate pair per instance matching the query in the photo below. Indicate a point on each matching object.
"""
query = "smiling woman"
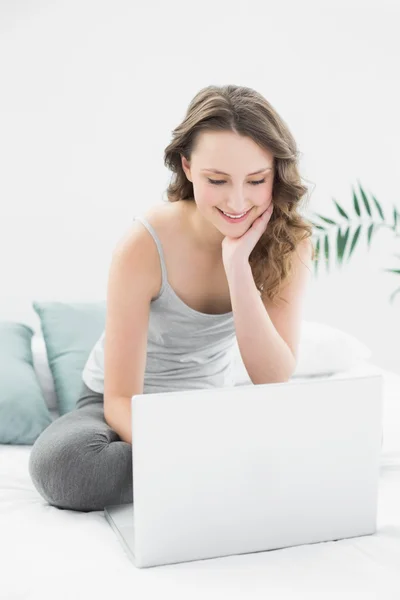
(184, 284)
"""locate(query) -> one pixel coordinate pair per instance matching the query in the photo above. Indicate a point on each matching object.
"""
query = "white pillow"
(20, 310)
(326, 349)
(323, 350)
(42, 370)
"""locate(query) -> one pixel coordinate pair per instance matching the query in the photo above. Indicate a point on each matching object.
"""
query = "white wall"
(90, 92)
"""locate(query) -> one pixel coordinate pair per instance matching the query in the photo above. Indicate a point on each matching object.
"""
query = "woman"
(226, 258)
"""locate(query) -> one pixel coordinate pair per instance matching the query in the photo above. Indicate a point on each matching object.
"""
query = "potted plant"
(348, 230)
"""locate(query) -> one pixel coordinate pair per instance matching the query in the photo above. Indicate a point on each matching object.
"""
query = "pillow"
(23, 411)
(70, 331)
(323, 350)
(43, 373)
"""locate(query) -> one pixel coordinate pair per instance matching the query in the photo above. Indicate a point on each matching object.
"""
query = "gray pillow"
(23, 411)
(70, 330)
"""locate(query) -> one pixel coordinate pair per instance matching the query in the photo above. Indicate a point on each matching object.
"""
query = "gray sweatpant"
(78, 462)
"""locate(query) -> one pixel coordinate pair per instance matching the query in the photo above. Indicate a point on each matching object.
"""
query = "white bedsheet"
(51, 553)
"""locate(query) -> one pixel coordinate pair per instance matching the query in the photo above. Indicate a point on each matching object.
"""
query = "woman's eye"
(216, 181)
(221, 181)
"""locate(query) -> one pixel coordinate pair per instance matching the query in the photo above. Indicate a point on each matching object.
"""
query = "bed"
(50, 552)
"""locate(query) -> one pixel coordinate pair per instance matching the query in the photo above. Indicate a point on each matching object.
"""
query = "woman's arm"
(268, 333)
(119, 417)
(265, 355)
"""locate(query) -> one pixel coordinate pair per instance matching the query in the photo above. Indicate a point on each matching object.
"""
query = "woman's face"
(238, 189)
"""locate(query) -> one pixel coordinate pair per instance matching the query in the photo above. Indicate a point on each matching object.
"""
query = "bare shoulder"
(160, 217)
(163, 216)
(137, 244)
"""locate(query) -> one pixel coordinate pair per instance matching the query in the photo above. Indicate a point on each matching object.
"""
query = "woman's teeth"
(233, 216)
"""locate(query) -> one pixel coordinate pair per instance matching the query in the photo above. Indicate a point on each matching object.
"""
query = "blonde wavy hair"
(244, 111)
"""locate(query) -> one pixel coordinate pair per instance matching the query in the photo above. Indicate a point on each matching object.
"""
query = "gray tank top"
(186, 349)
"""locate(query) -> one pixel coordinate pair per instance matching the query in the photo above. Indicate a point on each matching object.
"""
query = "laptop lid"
(253, 468)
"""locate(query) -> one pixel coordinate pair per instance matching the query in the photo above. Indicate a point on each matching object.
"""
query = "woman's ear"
(186, 167)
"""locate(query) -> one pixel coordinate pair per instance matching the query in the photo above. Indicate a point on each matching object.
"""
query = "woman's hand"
(236, 251)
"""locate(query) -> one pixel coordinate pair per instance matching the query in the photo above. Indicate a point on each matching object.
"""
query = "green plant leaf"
(371, 229)
(318, 247)
(326, 219)
(394, 217)
(354, 241)
(326, 251)
(364, 197)
(346, 235)
(320, 227)
(341, 244)
(397, 271)
(341, 211)
(356, 205)
(316, 261)
(378, 206)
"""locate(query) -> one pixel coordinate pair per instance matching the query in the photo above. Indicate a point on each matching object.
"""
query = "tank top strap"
(159, 248)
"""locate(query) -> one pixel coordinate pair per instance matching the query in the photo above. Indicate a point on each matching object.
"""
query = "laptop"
(236, 470)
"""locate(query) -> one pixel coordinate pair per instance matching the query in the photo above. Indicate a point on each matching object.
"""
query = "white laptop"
(236, 470)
